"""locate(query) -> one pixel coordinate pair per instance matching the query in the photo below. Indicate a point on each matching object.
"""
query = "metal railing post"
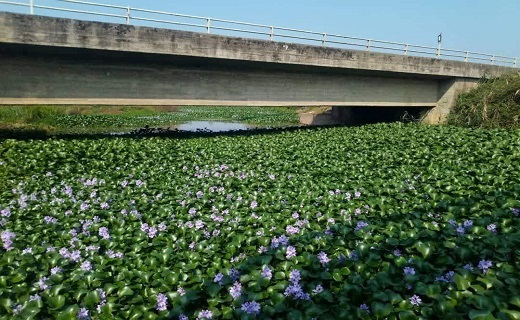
(438, 54)
(514, 62)
(208, 24)
(128, 15)
(493, 59)
(324, 39)
(31, 7)
(405, 49)
(271, 34)
(466, 57)
(368, 45)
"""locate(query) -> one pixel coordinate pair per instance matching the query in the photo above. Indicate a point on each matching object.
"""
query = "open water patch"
(212, 126)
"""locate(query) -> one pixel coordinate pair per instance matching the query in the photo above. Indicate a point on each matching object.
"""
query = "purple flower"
(27, 250)
(254, 204)
(218, 278)
(75, 256)
(104, 205)
(468, 223)
(295, 276)
(86, 266)
(397, 252)
(492, 227)
(516, 211)
(252, 307)
(5, 213)
(181, 291)
(83, 314)
(234, 274)
(103, 297)
(318, 289)
(199, 224)
(7, 239)
(205, 314)
(152, 232)
(361, 225)
(460, 230)
(291, 230)
(42, 284)
(322, 256)
(103, 232)
(291, 252)
(161, 226)
(49, 220)
(283, 240)
(64, 252)
(267, 273)
(484, 265)
(415, 300)
(468, 267)
(17, 309)
(56, 270)
(448, 277)
(409, 271)
(183, 317)
(236, 290)
(162, 302)
(364, 307)
(353, 255)
(295, 290)
(35, 297)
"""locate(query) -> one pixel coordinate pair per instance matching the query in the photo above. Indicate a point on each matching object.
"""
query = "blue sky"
(477, 25)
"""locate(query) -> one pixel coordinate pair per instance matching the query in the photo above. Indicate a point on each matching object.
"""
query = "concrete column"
(448, 91)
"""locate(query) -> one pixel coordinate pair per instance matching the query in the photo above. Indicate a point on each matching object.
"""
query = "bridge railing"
(140, 16)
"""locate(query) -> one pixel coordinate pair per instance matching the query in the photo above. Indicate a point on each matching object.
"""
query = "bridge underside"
(43, 75)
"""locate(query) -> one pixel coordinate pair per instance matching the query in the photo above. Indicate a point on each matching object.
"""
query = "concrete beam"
(59, 32)
(67, 80)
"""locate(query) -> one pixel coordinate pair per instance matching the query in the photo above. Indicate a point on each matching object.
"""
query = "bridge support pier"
(448, 91)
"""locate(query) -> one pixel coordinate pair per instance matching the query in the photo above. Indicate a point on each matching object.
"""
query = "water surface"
(215, 126)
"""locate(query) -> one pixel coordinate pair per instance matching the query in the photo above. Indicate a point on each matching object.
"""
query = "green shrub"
(495, 103)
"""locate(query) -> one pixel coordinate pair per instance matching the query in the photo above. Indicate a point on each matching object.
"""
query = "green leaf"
(381, 309)
(56, 302)
(125, 291)
(481, 315)
(461, 282)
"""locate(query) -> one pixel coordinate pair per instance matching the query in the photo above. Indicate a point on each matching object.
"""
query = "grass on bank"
(495, 103)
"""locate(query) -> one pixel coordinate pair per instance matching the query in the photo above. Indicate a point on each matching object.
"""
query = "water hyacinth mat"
(384, 221)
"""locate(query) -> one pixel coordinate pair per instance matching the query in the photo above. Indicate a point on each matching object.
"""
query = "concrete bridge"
(47, 60)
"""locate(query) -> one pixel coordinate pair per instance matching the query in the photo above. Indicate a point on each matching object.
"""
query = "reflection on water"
(215, 126)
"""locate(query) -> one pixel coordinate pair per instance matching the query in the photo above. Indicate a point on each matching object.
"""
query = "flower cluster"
(252, 307)
(7, 239)
(295, 290)
(162, 302)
